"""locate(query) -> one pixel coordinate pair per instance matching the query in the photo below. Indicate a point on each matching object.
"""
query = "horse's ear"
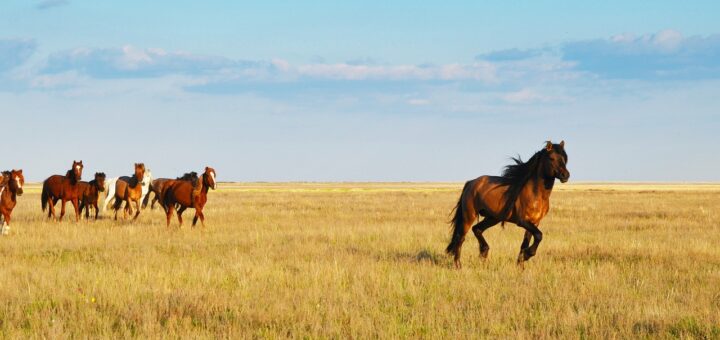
(207, 168)
(19, 171)
(562, 143)
(548, 146)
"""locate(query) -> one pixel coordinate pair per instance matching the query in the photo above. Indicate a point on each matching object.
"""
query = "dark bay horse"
(157, 187)
(520, 196)
(14, 181)
(90, 193)
(129, 189)
(185, 195)
(64, 188)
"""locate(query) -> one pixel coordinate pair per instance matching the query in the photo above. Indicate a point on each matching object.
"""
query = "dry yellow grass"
(366, 260)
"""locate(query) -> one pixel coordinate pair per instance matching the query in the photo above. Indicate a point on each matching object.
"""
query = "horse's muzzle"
(19, 191)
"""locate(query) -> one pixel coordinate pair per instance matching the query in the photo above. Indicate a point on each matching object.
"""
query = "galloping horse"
(64, 188)
(90, 192)
(184, 194)
(129, 189)
(110, 184)
(520, 196)
(157, 187)
(8, 196)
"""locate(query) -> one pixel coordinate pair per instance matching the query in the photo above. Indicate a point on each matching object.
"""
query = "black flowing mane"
(70, 174)
(190, 176)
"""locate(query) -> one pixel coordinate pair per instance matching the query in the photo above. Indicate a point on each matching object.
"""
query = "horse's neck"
(541, 187)
(7, 193)
(71, 177)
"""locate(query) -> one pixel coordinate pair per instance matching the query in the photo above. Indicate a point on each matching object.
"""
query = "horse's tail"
(118, 202)
(458, 223)
(45, 195)
(147, 196)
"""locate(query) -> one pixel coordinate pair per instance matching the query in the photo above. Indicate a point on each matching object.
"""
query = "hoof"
(458, 265)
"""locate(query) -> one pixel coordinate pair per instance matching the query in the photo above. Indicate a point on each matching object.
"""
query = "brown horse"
(129, 189)
(14, 181)
(185, 195)
(520, 196)
(157, 187)
(63, 188)
(90, 194)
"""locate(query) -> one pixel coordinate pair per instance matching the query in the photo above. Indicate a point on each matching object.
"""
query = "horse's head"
(556, 162)
(77, 169)
(140, 171)
(100, 180)
(16, 181)
(209, 177)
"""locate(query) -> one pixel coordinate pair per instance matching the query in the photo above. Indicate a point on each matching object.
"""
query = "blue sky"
(342, 91)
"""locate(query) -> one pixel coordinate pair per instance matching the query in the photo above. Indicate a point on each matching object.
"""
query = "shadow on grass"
(424, 257)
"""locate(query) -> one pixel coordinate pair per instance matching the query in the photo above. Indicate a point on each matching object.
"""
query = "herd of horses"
(521, 195)
(187, 191)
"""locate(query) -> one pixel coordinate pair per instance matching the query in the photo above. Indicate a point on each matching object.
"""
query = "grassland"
(366, 260)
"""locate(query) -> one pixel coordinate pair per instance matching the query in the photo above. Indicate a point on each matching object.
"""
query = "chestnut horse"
(64, 188)
(14, 181)
(157, 186)
(185, 195)
(129, 189)
(90, 192)
(520, 196)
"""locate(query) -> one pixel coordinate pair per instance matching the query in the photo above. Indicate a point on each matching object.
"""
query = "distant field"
(366, 260)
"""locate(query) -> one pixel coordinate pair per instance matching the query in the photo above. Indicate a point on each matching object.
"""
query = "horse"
(110, 184)
(65, 188)
(129, 189)
(90, 192)
(13, 187)
(158, 185)
(520, 196)
(185, 195)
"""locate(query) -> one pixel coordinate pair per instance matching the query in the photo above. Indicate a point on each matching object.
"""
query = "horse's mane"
(190, 176)
(71, 175)
(515, 176)
(5, 178)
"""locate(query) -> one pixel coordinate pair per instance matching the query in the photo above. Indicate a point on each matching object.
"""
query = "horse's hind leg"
(51, 208)
(527, 252)
(478, 230)
(180, 212)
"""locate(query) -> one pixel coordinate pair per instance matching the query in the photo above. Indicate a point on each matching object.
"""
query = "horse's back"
(54, 184)
(487, 194)
(180, 192)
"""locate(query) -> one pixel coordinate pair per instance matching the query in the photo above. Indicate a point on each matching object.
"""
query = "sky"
(360, 90)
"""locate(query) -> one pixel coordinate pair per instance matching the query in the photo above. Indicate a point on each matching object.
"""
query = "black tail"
(44, 196)
(458, 224)
(117, 203)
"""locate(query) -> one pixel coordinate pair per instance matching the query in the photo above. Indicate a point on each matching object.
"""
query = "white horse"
(110, 187)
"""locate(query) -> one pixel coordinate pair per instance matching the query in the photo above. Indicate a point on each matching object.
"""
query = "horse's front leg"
(5, 222)
(95, 205)
(62, 209)
(75, 204)
(528, 252)
(137, 207)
